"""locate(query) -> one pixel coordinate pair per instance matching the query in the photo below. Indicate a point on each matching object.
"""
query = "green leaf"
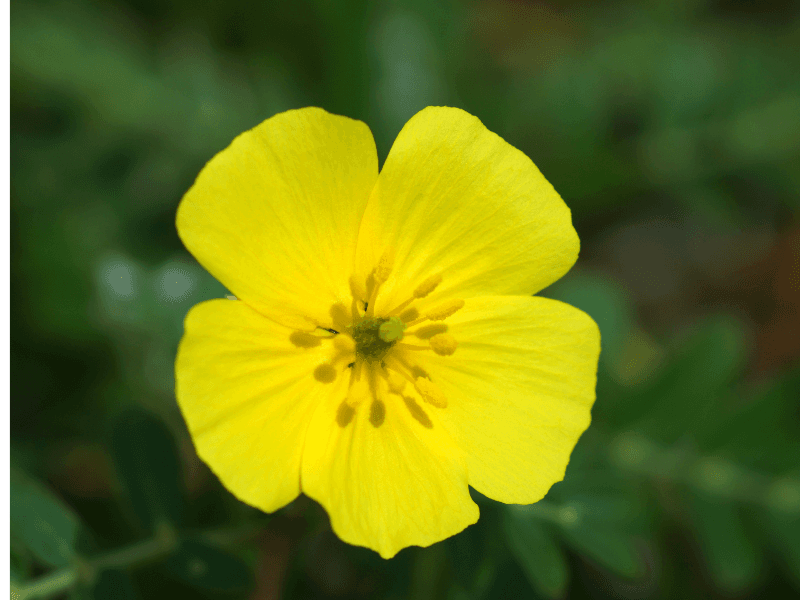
(758, 430)
(148, 463)
(604, 496)
(538, 554)
(20, 562)
(467, 550)
(427, 577)
(730, 555)
(605, 543)
(113, 585)
(208, 568)
(782, 522)
(41, 522)
(690, 389)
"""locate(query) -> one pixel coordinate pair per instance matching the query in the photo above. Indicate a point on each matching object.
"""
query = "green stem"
(50, 584)
(138, 554)
(711, 474)
(160, 545)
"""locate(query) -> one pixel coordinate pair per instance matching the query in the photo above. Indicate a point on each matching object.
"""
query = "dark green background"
(670, 128)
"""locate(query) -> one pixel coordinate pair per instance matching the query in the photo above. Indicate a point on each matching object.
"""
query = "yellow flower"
(383, 351)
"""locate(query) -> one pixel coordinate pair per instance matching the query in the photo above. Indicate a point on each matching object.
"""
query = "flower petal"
(456, 199)
(275, 215)
(520, 388)
(387, 487)
(247, 393)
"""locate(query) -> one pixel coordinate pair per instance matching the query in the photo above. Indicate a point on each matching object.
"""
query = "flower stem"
(713, 475)
(48, 585)
(146, 551)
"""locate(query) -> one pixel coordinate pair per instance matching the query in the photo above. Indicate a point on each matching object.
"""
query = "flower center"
(377, 351)
(375, 337)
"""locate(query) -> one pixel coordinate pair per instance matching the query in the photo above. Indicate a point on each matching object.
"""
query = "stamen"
(394, 380)
(427, 286)
(430, 392)
(340, 317)
(440, 312)
(400, 367)
(369, 307)
(384, 268)
(376, 345)
(417, 412)
(443, 344)
(399, 361)
(426, 332)
(444, 310)
(416, 375)
(401, 306)
(417, 371)
(396, 385)
(422, 290)
(357, 288)
(359, 293)
(355, 374)
(377, 413)
(379, 275)
(377, 410)
(345, 414)
(409, 315)
(303, 339)
(373, 383)
(407, 346)
(325, 373)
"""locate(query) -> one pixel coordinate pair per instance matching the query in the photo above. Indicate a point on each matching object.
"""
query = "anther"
(384, 267)
(400, 363)
(426, 332)
(417, 372)
(303, 339)
(344, 414)
(417, 412)
(442, 311)
(427, 286)
(408, 315)
(377, 413)
(430, 392)
(325, 373)
(378, 276)
(443, 344)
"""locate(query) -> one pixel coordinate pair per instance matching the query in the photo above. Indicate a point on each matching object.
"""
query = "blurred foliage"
(672, 130)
